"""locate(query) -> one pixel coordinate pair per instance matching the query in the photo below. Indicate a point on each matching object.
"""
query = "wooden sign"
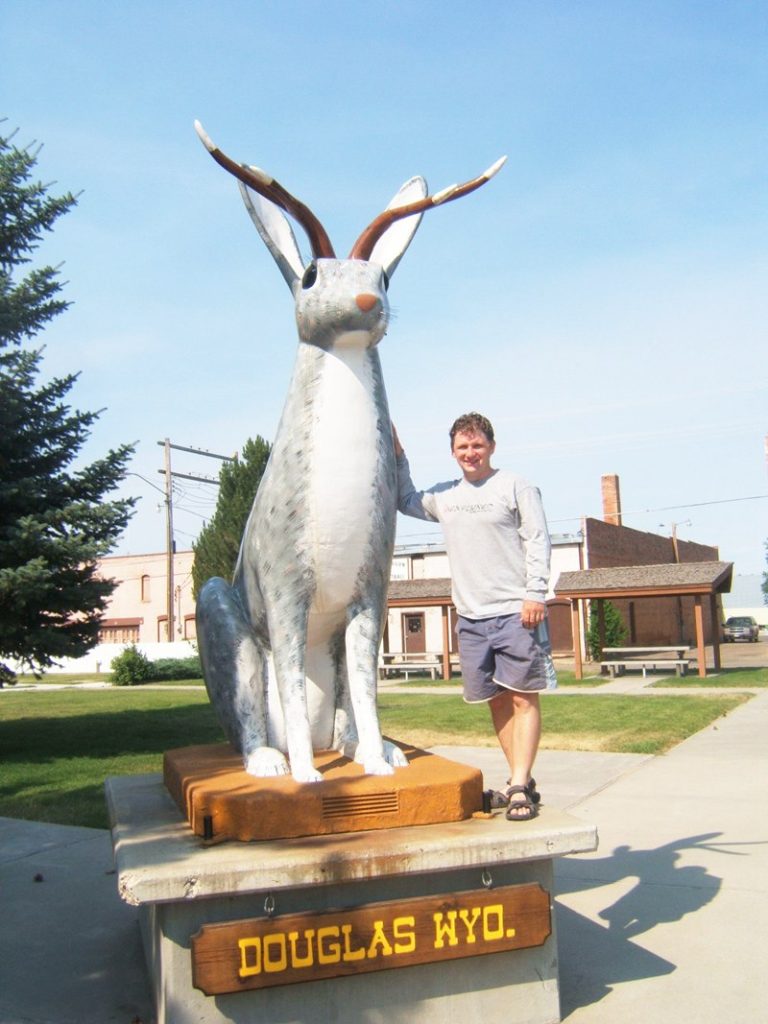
(263, 952)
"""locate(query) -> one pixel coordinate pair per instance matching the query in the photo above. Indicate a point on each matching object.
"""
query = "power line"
(191, 512)
(670, 508)
(169, 478)
(635, 512)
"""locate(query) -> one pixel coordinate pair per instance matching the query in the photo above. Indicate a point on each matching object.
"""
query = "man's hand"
(533, 613)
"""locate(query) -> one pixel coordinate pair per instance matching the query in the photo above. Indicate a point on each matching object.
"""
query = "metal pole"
(169, 538)
(678, 599)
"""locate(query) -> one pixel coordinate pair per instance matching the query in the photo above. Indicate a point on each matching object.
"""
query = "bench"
(617, 668)
(618, 659)
(409, 664)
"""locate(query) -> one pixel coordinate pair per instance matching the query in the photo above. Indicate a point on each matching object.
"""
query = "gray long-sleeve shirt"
(496, 535)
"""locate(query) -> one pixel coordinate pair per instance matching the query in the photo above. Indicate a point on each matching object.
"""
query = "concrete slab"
(160, 860)
(564, 777)
(70, 950)
(669, 916)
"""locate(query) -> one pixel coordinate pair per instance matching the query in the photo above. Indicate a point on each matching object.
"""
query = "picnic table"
(618, 659)
(399, 663)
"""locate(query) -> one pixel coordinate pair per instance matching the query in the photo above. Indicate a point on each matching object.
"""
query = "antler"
(266, 186)
(363, 247)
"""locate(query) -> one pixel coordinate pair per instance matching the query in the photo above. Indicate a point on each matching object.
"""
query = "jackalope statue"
(290, 648)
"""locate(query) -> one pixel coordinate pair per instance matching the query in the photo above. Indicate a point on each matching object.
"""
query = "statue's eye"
(310, 275)
(385, 280)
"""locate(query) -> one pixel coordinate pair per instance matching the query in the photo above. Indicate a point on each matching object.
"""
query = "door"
(414, 640)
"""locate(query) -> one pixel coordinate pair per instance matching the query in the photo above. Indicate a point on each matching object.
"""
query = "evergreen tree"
(615, 631)
(217, 547)
(54, 520)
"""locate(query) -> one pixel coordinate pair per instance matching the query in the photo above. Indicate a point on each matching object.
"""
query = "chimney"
(609, 483)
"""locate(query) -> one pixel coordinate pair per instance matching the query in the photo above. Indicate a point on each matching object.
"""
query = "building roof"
(647, 580)
(424, 592)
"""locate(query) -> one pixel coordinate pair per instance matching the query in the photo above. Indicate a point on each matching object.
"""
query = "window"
(146, 590)
(119, 631)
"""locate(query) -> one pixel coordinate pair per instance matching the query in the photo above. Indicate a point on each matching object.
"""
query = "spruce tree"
(54, 520)
(615, 631)
(218, 544)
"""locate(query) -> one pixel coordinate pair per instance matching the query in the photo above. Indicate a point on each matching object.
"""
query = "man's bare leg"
(517, 721)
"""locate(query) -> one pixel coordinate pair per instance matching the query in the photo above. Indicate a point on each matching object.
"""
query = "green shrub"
(176, 668)
(615, 631)
(131, 667)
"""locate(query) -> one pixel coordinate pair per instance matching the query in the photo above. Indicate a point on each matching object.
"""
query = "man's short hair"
(472, 423)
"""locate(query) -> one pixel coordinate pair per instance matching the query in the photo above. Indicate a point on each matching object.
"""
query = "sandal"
(500, 798)
(526, 805)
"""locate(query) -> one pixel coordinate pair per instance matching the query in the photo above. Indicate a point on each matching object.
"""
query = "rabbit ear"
(389, 249)
(276, 232)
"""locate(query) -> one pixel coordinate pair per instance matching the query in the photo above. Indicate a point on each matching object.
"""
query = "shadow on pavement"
(594, 957)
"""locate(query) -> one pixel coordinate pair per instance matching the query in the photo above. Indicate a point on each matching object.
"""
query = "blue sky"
(602, 300)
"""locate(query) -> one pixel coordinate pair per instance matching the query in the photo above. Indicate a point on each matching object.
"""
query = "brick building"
(609, 544)
(663, 620)
(421, 615)
(138, 607)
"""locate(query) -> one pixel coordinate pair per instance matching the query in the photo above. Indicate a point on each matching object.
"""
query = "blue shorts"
(502, 654)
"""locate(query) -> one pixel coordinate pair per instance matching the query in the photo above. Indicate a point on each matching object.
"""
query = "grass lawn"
(610, 722)
(58, 746)
(66, 678)
(73, 678)
(726, 677)
(563, 679)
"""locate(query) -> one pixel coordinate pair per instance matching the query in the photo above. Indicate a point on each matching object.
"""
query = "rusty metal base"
(221, 801)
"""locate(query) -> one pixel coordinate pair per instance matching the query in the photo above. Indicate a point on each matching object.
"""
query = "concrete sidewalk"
(666, 921)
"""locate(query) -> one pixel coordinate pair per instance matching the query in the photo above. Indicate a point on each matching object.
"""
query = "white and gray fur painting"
(290, 648)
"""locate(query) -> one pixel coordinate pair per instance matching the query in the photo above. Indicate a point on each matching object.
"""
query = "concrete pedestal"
(182, 885)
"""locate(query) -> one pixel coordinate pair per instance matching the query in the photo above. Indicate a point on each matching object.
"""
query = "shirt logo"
(471, 509)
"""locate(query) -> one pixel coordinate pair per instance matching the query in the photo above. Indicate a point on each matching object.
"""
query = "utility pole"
(169, 539)
(679, 600)
(169, 542)
(675, 548)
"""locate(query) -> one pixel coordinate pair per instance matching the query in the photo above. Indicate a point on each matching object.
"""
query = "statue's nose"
(365, 301)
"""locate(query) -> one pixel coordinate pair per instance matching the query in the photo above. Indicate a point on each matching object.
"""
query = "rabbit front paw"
(395, 755)
(373, 762)
(266, 762)
(305, 772)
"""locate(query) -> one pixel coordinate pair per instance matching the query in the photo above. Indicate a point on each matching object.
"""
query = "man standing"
(498, 547)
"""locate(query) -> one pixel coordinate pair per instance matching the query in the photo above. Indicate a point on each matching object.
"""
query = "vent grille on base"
(360, 805)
